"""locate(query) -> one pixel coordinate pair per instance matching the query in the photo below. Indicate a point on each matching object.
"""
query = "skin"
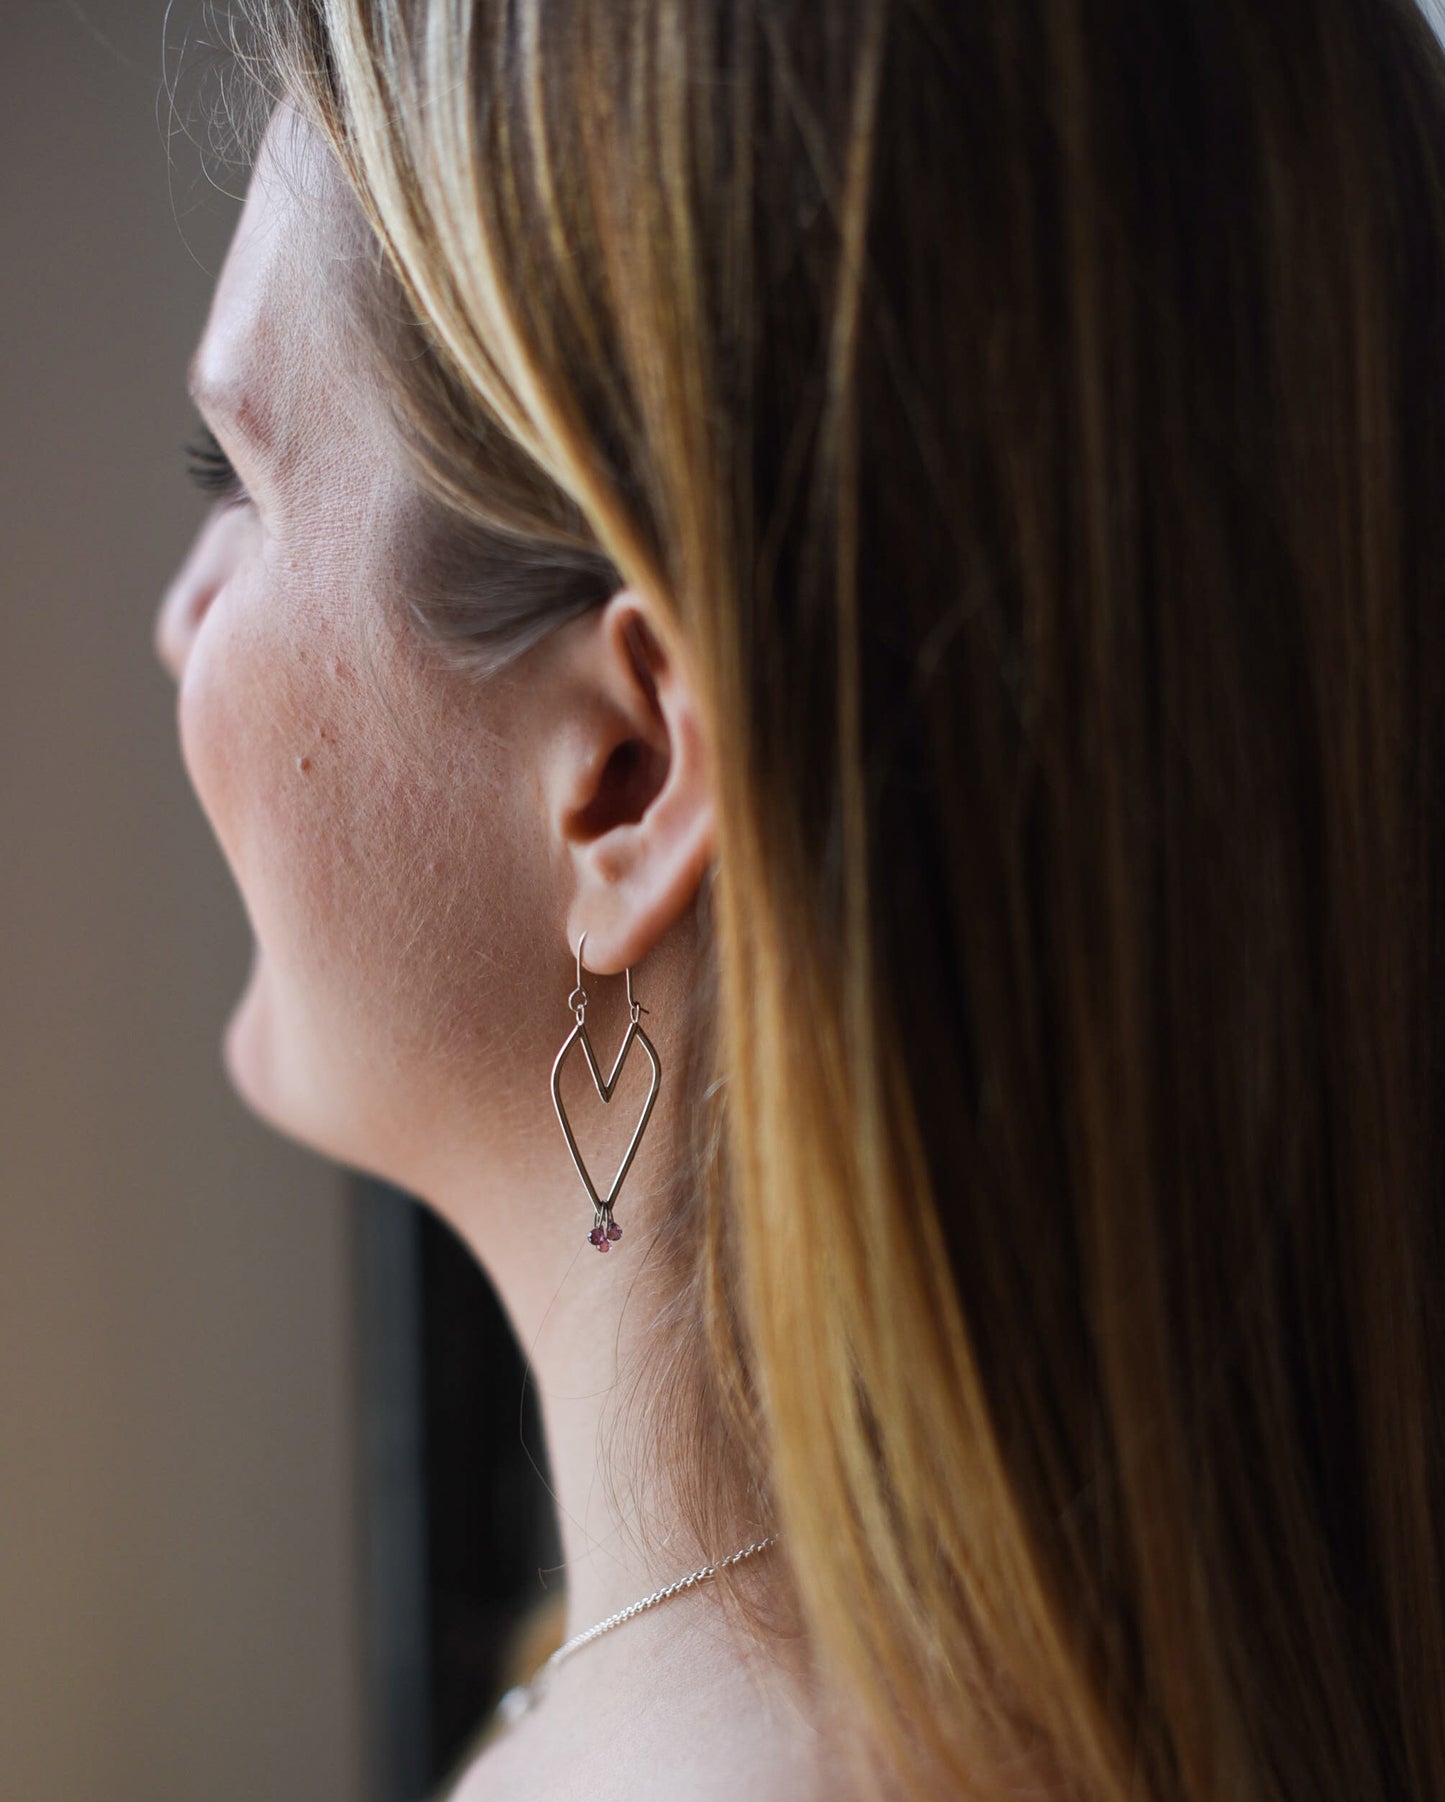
(418, 854)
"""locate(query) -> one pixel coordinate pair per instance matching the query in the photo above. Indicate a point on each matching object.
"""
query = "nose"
(181, 609)
(196, 584)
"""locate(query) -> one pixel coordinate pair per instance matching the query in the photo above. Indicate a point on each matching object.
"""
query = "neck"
(621, 1532)
(586, 1322)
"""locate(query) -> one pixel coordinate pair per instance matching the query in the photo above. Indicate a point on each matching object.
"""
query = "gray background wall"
(180, 1545)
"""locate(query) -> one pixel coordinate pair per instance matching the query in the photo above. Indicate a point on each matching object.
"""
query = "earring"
(604, 1228)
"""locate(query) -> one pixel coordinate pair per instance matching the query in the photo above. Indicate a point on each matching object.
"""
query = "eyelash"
(211, 470)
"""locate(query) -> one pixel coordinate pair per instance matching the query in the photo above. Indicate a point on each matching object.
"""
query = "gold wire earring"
(604, 1228)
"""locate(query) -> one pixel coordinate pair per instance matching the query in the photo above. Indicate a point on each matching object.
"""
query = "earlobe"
(636, 814)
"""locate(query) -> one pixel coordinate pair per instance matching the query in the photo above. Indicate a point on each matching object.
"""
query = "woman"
(907, 544)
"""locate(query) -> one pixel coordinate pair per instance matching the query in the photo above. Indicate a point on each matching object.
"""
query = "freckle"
(342, 673)
(303, 764)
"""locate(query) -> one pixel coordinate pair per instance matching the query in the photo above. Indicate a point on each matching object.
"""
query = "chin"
(253, 1055)
(248, 1052)
(266, 1060)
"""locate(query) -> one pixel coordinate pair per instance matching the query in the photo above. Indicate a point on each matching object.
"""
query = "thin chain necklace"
(525, 1696)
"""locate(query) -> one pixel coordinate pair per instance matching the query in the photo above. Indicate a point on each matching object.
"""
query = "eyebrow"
(222, 402)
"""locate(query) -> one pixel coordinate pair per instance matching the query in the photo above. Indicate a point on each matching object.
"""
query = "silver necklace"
(525, 1696)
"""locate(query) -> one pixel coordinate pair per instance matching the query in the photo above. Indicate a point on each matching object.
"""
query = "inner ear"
(646, 655)
(631, 777)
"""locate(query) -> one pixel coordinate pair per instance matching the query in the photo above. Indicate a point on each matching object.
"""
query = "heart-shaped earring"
(604, 1229)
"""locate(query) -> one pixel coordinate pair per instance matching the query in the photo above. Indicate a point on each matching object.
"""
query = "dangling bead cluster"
(605, 1229)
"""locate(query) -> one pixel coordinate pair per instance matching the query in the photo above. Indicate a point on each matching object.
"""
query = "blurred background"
(272, 1500)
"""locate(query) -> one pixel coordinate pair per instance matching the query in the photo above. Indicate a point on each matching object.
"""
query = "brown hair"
(1034, 415)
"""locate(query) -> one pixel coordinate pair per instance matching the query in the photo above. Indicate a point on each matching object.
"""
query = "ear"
(628, 781)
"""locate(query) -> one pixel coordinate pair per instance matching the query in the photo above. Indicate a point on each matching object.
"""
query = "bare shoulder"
(771, 1752)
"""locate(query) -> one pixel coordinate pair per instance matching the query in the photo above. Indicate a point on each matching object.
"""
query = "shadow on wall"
(463, 1558)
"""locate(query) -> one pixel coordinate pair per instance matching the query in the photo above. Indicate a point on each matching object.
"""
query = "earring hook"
(633, 1007)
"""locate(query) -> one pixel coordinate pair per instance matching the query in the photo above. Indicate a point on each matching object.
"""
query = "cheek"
(224, 714)
(372, 848)
(251, 715)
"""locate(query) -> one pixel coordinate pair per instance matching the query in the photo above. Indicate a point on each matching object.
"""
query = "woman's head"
(1018, 432)
(418, 844)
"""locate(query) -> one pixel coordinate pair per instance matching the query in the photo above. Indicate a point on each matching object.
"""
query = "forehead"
(272, 346)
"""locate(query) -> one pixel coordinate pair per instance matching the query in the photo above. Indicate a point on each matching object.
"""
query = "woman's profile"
(860, 584)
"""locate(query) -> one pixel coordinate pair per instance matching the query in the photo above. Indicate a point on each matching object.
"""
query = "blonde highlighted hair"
(1033, 417)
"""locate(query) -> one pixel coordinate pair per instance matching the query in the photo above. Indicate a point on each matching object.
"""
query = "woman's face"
(379, 814)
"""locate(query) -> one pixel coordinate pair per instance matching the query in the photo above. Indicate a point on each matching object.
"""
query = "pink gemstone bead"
(614, 1231)
(595, 1236)
(602, 1244)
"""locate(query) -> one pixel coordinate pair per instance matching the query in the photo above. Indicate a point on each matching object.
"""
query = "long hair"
(1034, 418)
